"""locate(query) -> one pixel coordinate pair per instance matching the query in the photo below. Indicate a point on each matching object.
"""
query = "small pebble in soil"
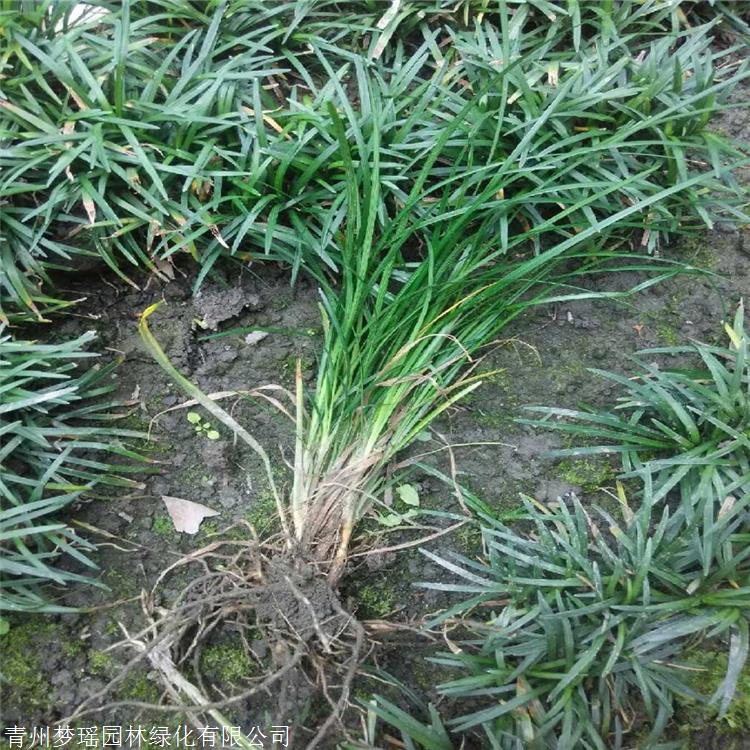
(259, 647)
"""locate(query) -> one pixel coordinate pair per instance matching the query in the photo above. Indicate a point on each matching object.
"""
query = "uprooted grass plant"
(416, 300)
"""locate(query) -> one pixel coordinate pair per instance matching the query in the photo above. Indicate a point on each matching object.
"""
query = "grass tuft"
(58, 444)
(155, 132)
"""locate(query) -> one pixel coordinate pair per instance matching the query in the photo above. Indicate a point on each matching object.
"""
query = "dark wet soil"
(52, 664)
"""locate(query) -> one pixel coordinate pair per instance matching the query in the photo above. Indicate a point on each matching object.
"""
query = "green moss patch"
(695, 717)
(100, 662)
(163, 526)
(587, 473)
(226, 663)
(374, 601)
(24, 685)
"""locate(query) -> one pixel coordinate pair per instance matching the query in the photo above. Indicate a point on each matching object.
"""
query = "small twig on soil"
(454, 472)
(475, 444)
(110, 605)
(406, 545)
(164, 664)
(384, 626)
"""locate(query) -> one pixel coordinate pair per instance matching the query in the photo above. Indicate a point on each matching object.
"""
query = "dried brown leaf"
(187, 515)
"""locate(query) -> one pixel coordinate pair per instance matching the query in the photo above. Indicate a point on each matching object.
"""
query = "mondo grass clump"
(579, 623)
(59, 442)
(146, 133)
(688, 425)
